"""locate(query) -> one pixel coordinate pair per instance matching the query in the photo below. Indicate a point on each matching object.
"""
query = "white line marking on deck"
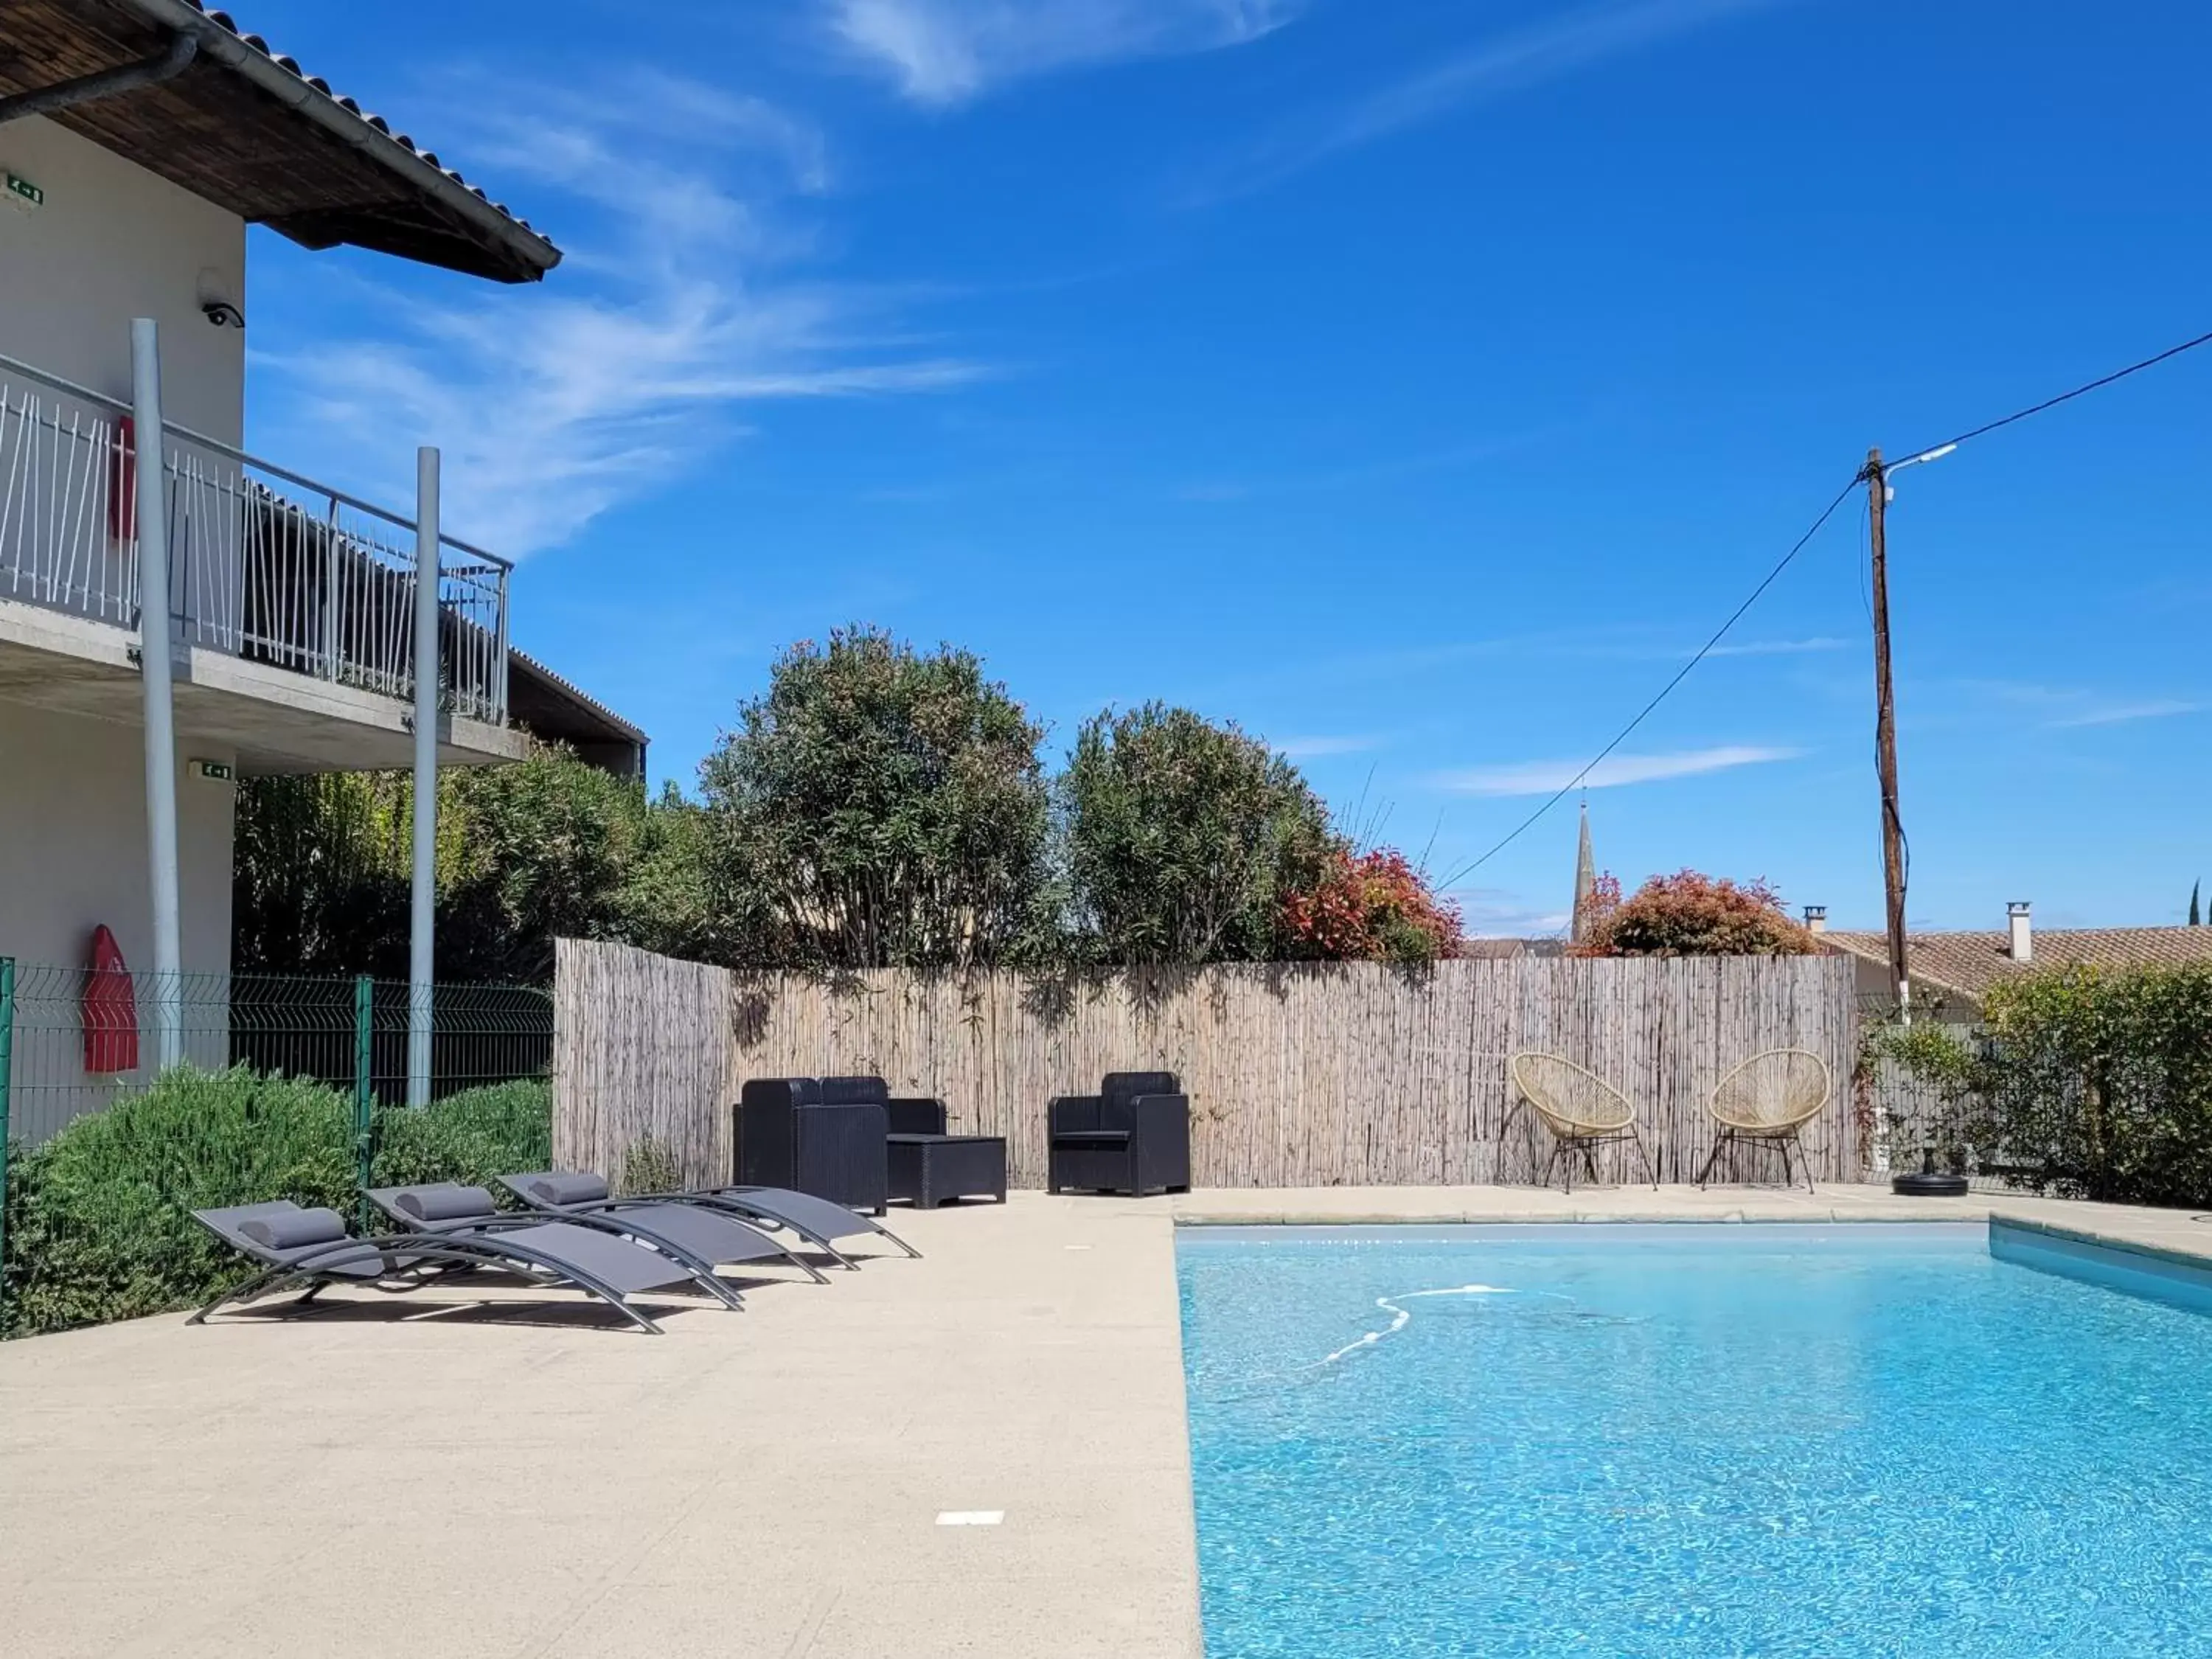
(971, 1517)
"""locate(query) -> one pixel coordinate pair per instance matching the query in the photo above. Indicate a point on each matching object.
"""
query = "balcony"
(291, 604)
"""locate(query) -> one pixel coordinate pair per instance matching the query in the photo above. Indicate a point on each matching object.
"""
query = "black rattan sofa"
(828, 1136)
(1133, 1136)
(792, 1132)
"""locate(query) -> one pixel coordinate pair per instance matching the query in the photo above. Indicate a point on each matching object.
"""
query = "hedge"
(99, 1223)
(2084, 1083)
(2098, 1085)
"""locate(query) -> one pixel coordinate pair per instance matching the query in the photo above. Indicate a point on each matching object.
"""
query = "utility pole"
(1893, 832)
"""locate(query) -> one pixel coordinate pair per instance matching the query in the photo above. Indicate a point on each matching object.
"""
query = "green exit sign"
(213, 771)
(25, 193)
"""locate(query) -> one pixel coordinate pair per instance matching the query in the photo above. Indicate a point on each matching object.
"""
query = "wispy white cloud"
(1544, 777)
(943, 52)
(1316, 747)
(2118, 713)
(1779, 647)
(675, 312)
(1505, 64)
(2063, 708)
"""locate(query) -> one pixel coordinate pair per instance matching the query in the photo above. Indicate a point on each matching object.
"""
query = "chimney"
(1816, 918)
(2023, 935)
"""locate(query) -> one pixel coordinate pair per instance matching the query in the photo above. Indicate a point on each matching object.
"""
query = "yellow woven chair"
(1765, 1100)
(1581, 1109)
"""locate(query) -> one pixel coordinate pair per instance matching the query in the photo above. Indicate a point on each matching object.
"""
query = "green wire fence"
(74, 1041)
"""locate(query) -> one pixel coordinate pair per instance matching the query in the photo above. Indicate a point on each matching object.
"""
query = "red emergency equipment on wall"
(111, 1010)
(123, 481)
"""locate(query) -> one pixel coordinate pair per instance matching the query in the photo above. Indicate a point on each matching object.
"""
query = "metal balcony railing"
(264, 564)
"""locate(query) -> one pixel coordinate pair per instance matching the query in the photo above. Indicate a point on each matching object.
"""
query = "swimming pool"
(1689, 1441)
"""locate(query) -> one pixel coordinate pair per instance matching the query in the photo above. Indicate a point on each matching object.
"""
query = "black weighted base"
(1927, 1183)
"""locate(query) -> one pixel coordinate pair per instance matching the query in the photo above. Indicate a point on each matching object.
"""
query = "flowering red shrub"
(1591, 914)
(1371, 906)
(1690, 915)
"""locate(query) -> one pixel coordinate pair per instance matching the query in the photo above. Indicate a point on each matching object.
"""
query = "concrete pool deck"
(470, 1475)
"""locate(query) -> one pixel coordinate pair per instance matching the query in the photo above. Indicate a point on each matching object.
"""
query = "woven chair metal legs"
(1585, 1147)
(1781, 1140)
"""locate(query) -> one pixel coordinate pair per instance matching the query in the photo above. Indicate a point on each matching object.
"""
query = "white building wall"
(114, 242)
(72, 857)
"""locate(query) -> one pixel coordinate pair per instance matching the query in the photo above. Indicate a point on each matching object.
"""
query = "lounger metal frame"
(750, 1204)
(398, 1254)
(702, 1273)
(600, 1210)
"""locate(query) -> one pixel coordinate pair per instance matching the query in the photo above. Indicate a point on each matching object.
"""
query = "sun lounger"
(711, 1234)
(298, 1246)
(819, 1221)
(446, 1210)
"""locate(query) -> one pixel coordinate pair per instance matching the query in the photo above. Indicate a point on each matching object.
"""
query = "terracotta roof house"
(1958, 969)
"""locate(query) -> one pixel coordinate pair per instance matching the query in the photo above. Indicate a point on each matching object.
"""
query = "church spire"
(1585, 882)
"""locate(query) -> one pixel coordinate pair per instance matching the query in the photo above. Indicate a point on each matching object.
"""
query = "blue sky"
(1415, 384)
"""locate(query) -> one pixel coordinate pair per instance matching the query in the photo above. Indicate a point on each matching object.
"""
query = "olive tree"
(1184, 838)
(877, 807)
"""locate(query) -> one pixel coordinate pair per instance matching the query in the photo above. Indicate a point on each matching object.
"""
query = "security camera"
(222, 313)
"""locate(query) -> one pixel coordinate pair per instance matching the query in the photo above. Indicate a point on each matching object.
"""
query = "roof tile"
(1970, 963)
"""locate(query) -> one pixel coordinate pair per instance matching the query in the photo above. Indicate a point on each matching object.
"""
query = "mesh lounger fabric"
(721, 1239)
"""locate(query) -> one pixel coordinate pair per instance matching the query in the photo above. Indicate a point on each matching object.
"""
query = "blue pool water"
(1694, 1441)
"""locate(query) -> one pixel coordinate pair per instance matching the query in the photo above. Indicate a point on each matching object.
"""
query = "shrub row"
(2086, 1084)
(99, 1217)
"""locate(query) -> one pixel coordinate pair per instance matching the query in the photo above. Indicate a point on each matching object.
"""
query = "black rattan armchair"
(1133, 1136)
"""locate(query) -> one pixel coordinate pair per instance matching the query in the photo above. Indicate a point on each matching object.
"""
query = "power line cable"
(1681, 674)
(1928, 451)
(2085, 388)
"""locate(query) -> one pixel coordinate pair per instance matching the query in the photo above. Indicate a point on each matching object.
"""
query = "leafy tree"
(1371, 906)
(320, 876)
(1183, 838)
(877, 807)
(1690, 915)
(526, 852)
(529, 854)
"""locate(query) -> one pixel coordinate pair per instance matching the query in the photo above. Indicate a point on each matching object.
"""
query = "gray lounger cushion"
(294, 1230)
(448, 1204)
(549, 1187)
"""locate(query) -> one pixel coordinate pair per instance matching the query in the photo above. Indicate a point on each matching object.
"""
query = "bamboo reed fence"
(1299, 1075)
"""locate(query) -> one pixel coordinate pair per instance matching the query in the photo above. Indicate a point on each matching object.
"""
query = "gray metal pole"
(424, 894)
(157, 676)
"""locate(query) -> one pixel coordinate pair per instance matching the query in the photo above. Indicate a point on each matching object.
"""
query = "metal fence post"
(7, 1069)
(422, 913)
(155, 671)
(364, 1096)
